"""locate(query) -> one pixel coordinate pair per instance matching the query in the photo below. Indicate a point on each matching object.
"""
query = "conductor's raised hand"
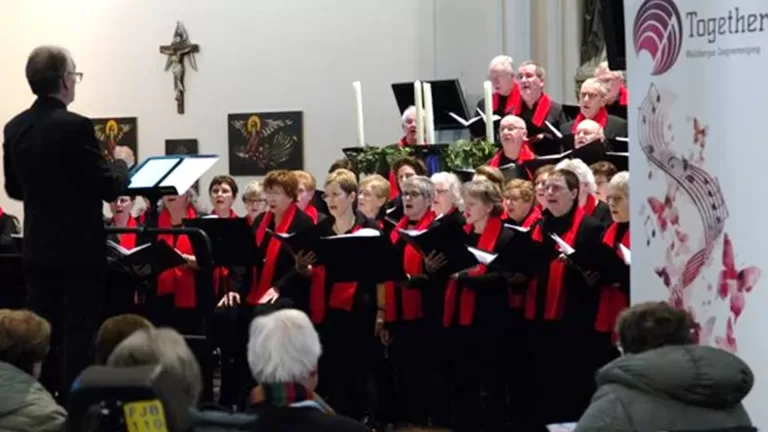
(434, 262)
(304, 262)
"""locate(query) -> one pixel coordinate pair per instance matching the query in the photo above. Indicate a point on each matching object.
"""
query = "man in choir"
(535, 106)
(588, 131)
(592, 107)
(409, 127)
(617, 96)
(506, 93)
(514, 149)
(64, 257)
(587, 190)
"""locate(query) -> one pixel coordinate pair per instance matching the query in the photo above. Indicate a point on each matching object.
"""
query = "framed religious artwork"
(262, 142)
(118, 134)
(183, 147)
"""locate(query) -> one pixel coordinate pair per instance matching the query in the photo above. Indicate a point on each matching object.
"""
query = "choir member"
(344, 163)
(514, 148)
(539, 179)
(402, 169)
(603, 172)
(520, 203)
(347, 331)
(409, 139)
(614, 297)
(372, 196)
(617, 95)
(175, 303)
(122, 217)
(448, 201)
(534, 105)
(587, 190)
(283, 216)
(307, 200)
(475, 307)
(408, 327)
(489, 173)
(127, 292)
(506, 93)
(592, 107)
(254, 200)
(562, 302)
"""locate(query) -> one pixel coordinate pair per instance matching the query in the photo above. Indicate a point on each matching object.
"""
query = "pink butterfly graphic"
(727, 342)
(666, 212)
(703, 334)
(699, 134)
(735, 283)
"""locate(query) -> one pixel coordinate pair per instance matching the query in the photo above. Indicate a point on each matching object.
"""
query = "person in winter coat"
(664, 380)
(25, 405)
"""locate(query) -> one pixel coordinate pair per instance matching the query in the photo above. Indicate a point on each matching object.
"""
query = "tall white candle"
(488, 94)
(419, 103)
(430, 113)
(359, 107)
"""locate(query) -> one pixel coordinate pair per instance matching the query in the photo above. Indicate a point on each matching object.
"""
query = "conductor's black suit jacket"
(52, 161)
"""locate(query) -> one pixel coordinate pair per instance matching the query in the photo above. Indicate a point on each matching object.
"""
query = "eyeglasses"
(411, 194)
(78, 76)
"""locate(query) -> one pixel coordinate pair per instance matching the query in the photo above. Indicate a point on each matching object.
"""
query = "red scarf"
(143, 217)
(311, 211)
(394, 191)
(555, 300)
(127, 241)
(1, 212)
(590, 205)
(600, 118)
(260, 285)
(623, 96)
(412, 260)
(542, 109)
(612, 299)
(343, 293)
(487, 243)
(179, 281)
(512, 100)
(525, 155)
(515, 299)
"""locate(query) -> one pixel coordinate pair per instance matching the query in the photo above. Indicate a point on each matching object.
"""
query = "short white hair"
(410, 111)
(594, 82)
(503, 60)
(283, 347)
(604, 67)
(620, 183)
(582, 171)
(453, 183)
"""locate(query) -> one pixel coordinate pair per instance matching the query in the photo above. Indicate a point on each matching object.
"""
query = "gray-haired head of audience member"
(51, 71)
(284, 348)
(164, 347)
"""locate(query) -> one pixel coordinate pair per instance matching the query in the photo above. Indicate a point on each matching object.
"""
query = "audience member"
(115, 330)
(25, 405)
(664, 380)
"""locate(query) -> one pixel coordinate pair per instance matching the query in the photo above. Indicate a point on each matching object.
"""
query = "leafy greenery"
(467, 154)
(377, 160)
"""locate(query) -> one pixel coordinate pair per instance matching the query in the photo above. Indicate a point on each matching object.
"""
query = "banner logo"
(658, 31)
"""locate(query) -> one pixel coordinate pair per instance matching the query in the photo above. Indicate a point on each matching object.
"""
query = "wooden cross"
(179, 49)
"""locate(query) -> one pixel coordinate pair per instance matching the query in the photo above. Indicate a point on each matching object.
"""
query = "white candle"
(359, 106)
(488, 94)
(418, 102)
(430, 113)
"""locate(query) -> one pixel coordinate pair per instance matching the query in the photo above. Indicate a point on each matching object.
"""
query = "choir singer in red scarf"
(588, 190)
(617, 95)
(592, 107)
(514, 147)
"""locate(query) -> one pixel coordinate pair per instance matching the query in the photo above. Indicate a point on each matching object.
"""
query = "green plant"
(372, 160)
(467, 154)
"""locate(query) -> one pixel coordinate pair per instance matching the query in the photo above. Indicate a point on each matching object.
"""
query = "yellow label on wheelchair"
(145, 416)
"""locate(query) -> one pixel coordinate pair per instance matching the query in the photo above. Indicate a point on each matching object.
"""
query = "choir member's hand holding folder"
(147, 260)
(601, 262)
(442, 243)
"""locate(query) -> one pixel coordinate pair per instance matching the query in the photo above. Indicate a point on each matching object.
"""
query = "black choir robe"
(598, 210)
(9, 224)
(562, 334)
(619, 107)
(543, 110)
(502, 105)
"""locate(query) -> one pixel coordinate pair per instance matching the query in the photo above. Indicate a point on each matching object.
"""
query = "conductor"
(47, 150)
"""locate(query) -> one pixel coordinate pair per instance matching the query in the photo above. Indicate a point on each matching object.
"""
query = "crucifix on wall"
(179, 49)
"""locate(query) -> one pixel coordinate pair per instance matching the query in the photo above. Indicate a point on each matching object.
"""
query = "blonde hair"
(379, 185)
(252, 190)
(493, 174)
(526, 188)
(306, 179)
(485, 191)
(345, 178)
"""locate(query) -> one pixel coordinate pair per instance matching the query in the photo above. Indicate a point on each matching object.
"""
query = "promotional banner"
(699, 158)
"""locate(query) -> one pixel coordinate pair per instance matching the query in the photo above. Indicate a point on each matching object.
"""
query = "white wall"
(260, 55)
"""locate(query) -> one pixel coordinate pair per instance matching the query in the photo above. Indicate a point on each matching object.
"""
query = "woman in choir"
(176, 300)
(348, 334)
(306, 198)
(475, 307)
(562, 302)
(448, 201)
(121, 209)
(408, 321)
(603, 172)
(587, 190)
(520, 203)
(254, 200)
(539, 178)
(402, 169)
(614, 296)
(127, 292)
(372, 196)
(492, 174)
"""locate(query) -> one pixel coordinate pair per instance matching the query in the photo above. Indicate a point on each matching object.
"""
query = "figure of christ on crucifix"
(179, 49)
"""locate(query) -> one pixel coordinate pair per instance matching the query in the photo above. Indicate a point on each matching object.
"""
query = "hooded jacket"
(687, 387)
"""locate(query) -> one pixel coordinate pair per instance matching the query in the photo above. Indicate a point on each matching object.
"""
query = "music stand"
(447, 96)
(232, 240)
